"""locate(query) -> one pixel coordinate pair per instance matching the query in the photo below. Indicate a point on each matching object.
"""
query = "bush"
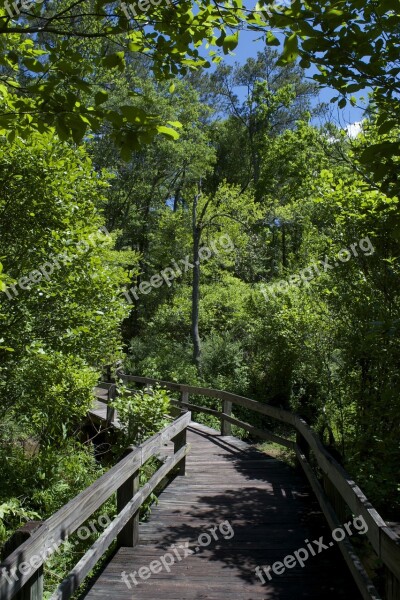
(142, 413)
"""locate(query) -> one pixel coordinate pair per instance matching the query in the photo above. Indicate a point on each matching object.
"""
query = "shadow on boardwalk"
(271, 512)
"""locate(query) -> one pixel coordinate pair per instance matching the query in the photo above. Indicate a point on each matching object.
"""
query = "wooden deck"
(271, 510)
(99, 410)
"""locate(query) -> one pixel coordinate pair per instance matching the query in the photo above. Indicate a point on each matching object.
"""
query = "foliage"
(58, 59)
(142, 413)
(12, 516)
(327, 348)
(171, 160)
(276, 98)
(224, 362)
(60, 78)
(354, 46)
(54, 325)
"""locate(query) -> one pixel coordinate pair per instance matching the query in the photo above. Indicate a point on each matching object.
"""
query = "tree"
(56, 58)
(228, 210)
(155, 179)
(276, 97)
(64, 282)
(355, 47)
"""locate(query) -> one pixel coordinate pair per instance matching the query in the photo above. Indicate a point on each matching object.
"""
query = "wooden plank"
(390, 556)
(112, 394)
(33, 589)
(102, 386)
(75, 578)
(180, 442)
(364, 584)
(338, 504)
(129, 536)
(271, 510)
(392, 586)
(184, 398)
(67, 520)
(265, 409)
(339, 478)
(100, 414)
(151, 446)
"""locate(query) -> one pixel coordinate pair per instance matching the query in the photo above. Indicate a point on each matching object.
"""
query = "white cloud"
(353, 129)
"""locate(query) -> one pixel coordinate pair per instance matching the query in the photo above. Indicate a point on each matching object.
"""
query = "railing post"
(129, 536)
(180, 442)
(184, 399)
(112, 393)
(33, 589)
(226, 427)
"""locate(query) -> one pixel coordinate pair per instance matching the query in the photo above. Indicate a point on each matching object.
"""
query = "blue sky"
(250, 43)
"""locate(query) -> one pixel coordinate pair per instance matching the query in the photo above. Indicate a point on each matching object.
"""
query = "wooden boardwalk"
(269, 507)
(100, 413)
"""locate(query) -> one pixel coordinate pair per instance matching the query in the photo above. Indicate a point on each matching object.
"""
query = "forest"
(201, 220)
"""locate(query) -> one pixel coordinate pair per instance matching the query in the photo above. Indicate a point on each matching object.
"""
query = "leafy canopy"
(58, 61)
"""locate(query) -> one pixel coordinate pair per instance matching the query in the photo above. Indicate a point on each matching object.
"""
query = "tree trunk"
(196, 289)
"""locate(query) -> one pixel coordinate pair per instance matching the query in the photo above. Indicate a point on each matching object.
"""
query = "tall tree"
(155, 178)
(260, 99)
(226, 210)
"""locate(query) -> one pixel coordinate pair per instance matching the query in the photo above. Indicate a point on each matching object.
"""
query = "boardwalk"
(272, 512)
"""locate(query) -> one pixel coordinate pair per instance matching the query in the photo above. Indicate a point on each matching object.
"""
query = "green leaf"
(134, 114)
(290, 49)
(177, 124)
(33, 65)
(114, 60)
(101, 97)
(62, 129)
(167, 131)
(230, 42)
(271, 39)
(78, 127)
(135, 47)
(387, 126)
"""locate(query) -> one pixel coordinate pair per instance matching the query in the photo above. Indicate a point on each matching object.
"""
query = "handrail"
(123, 479)
(339, 493)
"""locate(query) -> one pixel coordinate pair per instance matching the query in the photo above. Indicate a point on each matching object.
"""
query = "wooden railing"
(17, 580)
(338, 495)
